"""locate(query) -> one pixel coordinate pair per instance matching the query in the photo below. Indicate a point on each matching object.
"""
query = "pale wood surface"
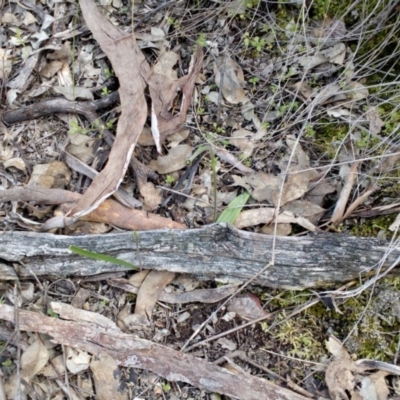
(217, 250)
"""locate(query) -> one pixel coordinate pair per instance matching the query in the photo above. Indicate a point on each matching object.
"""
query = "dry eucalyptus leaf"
(55, 175)
(151, 196)
(77, 361)
(178, 137)
(310, 62)
(338, 112)
(302, 89)
(173, 161)
(165, 65)
(318, 192)
(281, 229)
(50, 69)
(395, 226)
(33, 360)
(74, 92)
(356, 91)
(16, 162)
(150, 290)
(146, 138)
(374, 387)
(375, 122)
(107, 378)
(247, 306)
(5, 63)
(164, 89)
(267, 216)
(9, 19)
(260, 185)
(242, 139)
(229, 76)
(295, 186)
(336, 53)
(81, 147)
(305, 209)
(29, 18)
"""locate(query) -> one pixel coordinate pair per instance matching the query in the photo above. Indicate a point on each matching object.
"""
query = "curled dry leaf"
(375, 122)
(229, 77)
(5, 63)
(77, 361)
(267, 216)
(107, 378)
(151, 196)
(247, 307)
(242, 139)
(174, 161)
(305, 209)
(73, 93)
(149, 293)
(164, 88)
(16, 162)
(55, 175)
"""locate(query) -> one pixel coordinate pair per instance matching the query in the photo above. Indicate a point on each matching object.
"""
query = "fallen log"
(131, 351)
(215, 251)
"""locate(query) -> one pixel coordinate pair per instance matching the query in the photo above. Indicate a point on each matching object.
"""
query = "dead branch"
(128, 350)
(215, 251)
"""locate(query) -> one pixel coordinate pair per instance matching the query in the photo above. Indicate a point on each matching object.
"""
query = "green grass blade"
(234, 207)
(101, 257)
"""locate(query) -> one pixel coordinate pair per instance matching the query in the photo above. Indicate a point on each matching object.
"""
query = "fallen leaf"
(77, 361)
(151, 196)
(118, 46)
(242, 139)
(375, 122)
(54, 175)
(164, 89)
(5, 63)
(230, 78)
(16, 162)
(108, 379)
(173, 161)
(74, 92)
(81, 147)
(267, 216)
(247, 306)
(33, 360)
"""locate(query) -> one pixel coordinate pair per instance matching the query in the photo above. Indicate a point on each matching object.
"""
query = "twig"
(338, 212)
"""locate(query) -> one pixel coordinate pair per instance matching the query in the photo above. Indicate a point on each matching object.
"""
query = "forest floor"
(279, 118)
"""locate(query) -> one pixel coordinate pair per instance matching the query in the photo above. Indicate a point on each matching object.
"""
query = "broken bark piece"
(130, 351)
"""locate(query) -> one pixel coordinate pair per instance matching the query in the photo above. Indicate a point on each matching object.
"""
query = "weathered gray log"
(217, 250)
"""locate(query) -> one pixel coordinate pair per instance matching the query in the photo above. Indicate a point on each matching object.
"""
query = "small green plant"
(234, 208)
(76, 129)
(166, 387)
(169, 179)
(254, 80)
(18, 40)
(173, 22)
(256, 43)
(51, 313)
(309, 131)
(7, 363)
(201, 41)
(218, 129)
(105, 91)
(108, 73)
(101, 257)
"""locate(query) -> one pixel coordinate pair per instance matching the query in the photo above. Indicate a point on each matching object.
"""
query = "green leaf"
(234, 207)
(101, 257)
